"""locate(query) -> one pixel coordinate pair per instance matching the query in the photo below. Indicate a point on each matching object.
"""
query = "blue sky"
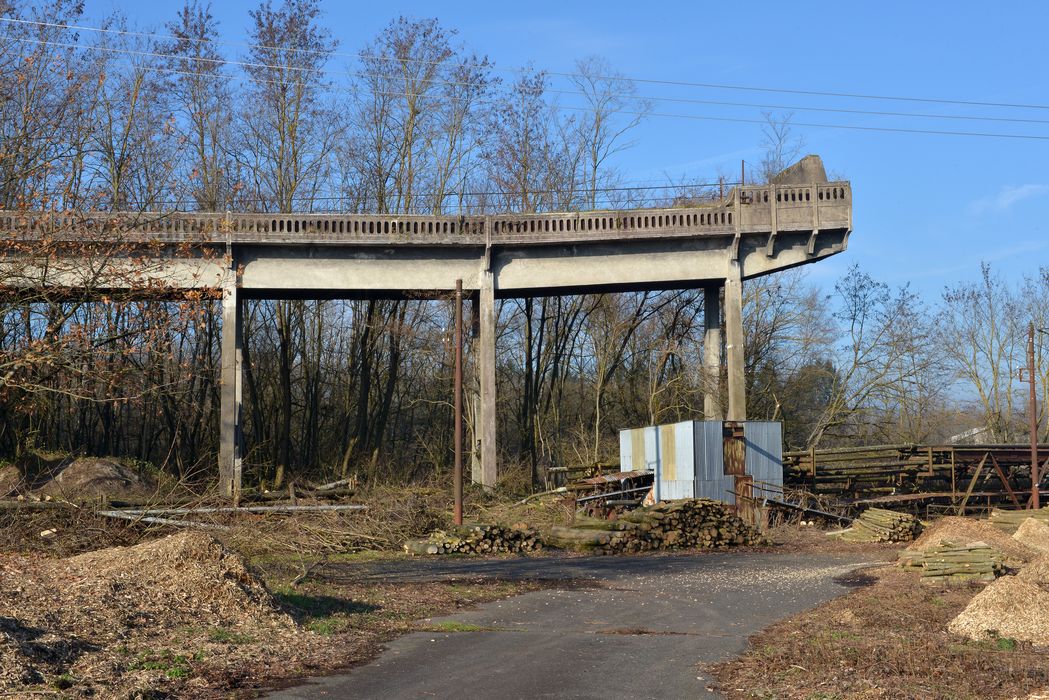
(928, 208)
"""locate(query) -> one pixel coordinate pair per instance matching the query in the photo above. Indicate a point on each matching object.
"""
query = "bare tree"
(613, 111)
(202, 101)
(780, 144)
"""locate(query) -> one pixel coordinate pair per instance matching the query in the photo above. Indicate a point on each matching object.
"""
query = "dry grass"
(100, 632)
(183, 617)
(889, 640)
(804, 540)
(70, 530)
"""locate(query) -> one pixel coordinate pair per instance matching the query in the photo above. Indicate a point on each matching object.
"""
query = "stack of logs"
(1010, 520)
(690, 523)
(880, 525)
(951, 563)
(478, 539)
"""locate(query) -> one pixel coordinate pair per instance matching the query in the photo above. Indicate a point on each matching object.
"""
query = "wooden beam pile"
(850, 472)
(478, 539)
(678, 524)
(951, 563)
(880, 525)
(1010, 520)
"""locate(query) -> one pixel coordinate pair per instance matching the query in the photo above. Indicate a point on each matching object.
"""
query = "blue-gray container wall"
(688, 458)
(764, 441)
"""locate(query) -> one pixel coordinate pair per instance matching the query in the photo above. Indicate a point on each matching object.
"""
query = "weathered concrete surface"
(808, 169)
(646, 634)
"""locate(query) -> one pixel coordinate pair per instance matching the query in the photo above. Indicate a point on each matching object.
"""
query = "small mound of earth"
(94, 477)
(1011, 607)
(1034, 534)
(74, 616)
(10, 480)
(185, 577)
(959, 530)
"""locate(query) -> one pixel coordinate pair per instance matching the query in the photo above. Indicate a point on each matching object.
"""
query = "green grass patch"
(225, 636)
(173, 665)
(327, 625)
(63, 682)
(1005, 644)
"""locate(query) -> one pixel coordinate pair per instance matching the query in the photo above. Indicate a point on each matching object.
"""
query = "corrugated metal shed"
(688, 458)
(710, 449)
(764, 441)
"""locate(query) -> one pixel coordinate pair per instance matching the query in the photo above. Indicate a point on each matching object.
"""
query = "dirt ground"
(183, 616)
(886, 639)
(141, 626)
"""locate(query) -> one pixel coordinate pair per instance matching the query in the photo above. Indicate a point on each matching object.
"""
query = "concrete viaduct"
(754, 230)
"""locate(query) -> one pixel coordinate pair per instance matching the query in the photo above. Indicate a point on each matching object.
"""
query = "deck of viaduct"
(752, 231)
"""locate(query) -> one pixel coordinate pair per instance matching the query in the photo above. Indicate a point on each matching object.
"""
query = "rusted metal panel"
(735, 448)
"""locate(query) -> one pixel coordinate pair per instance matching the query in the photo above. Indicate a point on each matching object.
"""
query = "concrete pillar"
(712, 352)
(230, 455)
(486, 378)
(737, 390)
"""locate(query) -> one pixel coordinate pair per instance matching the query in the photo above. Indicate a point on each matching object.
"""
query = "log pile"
(1010, 520)
(478, 539)
(880, 525)
(952, 563)
(678, 524)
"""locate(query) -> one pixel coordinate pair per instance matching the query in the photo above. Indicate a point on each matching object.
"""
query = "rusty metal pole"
(458, 474)
(1033, 411)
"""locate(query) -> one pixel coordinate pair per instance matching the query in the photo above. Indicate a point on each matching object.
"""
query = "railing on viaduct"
(751, 209)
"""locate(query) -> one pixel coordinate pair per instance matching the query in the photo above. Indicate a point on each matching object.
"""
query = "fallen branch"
(244, 509)
(134, 517)
(560, 489)
(332, 485)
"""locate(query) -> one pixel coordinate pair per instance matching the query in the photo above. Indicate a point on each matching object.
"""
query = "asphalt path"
(645, 629)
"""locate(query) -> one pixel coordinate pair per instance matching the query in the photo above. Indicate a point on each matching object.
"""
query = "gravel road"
(644, 631)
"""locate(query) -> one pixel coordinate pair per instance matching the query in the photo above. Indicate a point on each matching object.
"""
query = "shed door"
(735, 449)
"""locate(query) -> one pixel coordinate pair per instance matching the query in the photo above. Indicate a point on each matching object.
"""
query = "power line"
(939, 132)
(898, 130)
(652, 81)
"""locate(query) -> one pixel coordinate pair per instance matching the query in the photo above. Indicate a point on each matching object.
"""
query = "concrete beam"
(486, 377)
(230, 439)
(712, 352)
(737, 388)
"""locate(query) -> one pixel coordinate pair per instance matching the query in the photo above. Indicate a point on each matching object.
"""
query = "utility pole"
(1032, 409)
(458, 473)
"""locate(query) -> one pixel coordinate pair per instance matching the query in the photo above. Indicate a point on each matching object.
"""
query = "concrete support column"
(712, 352)
(230, 394)
(737, 390)
(486, 378)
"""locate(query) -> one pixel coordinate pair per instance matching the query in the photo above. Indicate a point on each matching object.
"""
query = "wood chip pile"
(1010, 520)
(955, 563)
(478, 539)
(1015, 607)
(880, 525)
(1034, 534)
(678, 524)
